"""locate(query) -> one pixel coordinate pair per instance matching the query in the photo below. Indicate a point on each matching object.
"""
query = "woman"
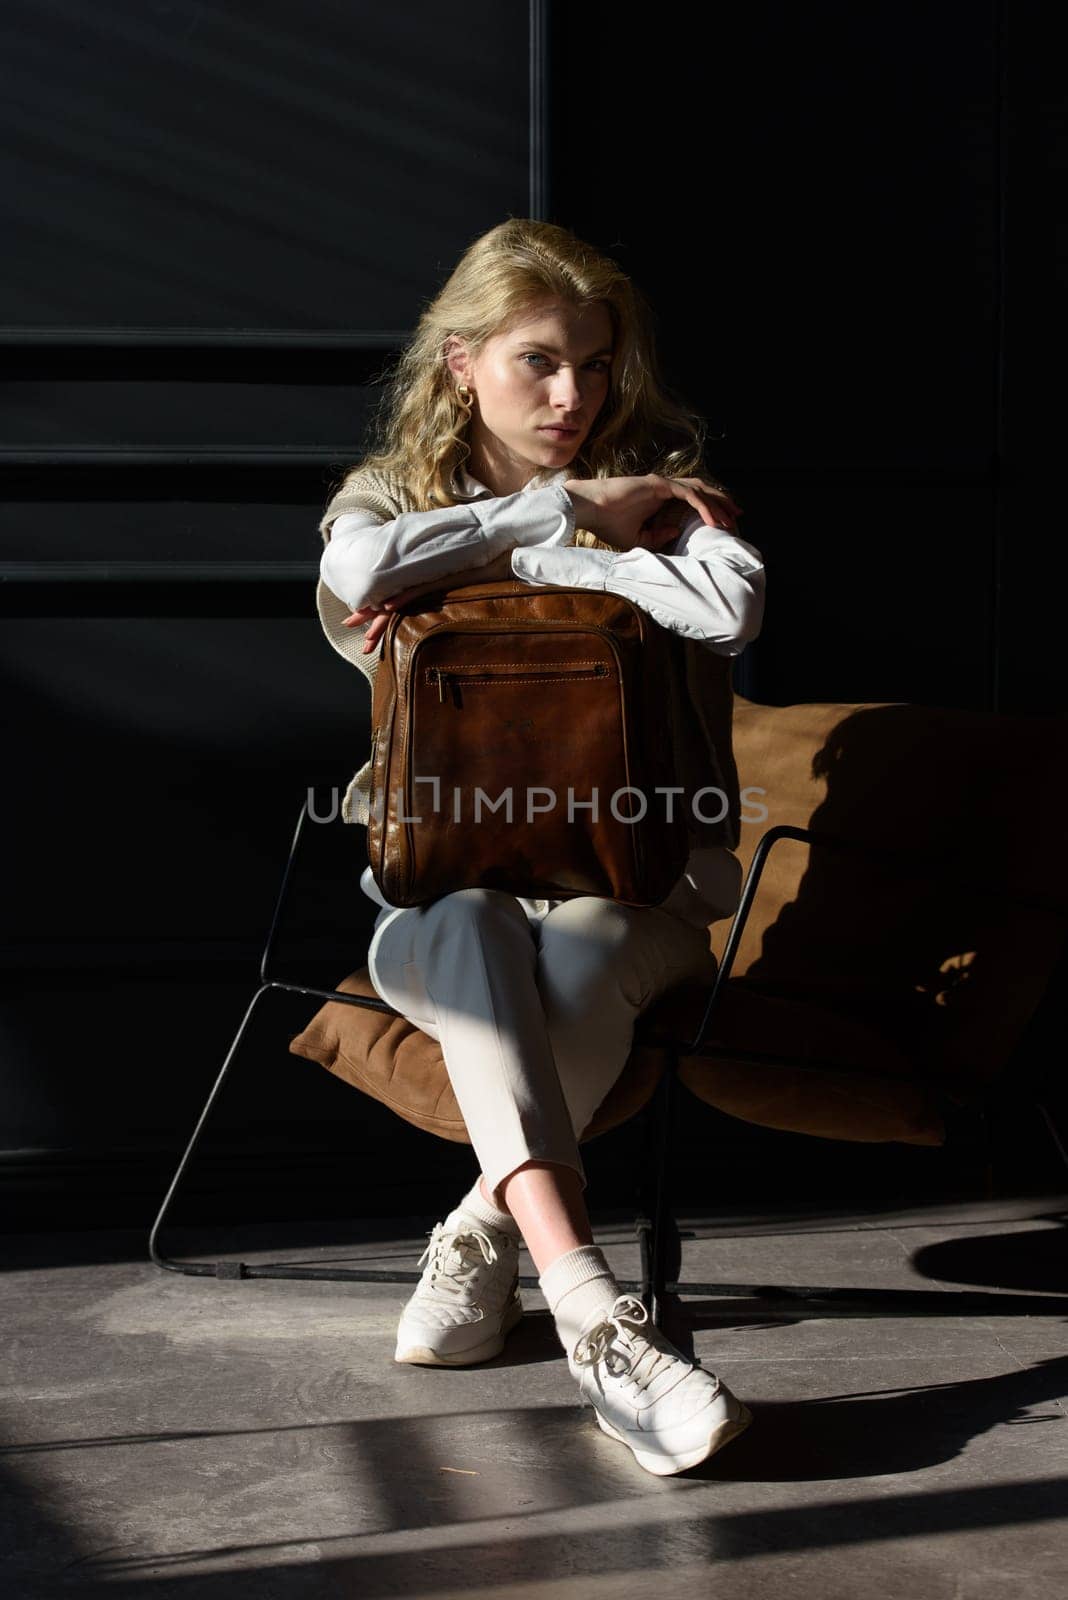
(526, 434)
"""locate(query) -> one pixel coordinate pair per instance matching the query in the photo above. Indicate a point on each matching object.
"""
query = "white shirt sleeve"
(711, 588)
(367, 559)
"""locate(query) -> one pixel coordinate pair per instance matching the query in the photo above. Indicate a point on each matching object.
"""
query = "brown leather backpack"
(500, 707)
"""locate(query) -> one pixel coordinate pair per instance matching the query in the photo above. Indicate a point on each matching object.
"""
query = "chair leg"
(203, 1268)
(644, 1221)
(1051, 1128)
(658, 1234)
(241, 1269)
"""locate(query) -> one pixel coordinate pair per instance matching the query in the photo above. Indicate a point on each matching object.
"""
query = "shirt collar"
(472, 489)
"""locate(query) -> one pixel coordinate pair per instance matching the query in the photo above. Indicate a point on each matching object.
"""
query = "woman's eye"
(599, 361)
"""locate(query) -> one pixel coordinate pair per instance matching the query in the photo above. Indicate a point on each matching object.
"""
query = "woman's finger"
(404, 595)
(684, 488)
(361, 614)
(723, 496)
(380, 614)
(728, 501)
(684, 492)
(374, 632)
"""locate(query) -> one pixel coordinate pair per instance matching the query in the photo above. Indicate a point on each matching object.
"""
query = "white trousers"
(535, 1016)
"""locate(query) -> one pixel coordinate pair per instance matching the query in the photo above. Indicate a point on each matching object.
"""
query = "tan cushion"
(391, 1059)
(951, 976)
(828, 1075)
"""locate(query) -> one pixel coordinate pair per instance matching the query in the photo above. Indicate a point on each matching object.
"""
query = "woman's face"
(551, 367)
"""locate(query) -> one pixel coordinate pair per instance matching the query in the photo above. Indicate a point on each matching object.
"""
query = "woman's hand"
(489, 572)
(624, 512)
(662, 527)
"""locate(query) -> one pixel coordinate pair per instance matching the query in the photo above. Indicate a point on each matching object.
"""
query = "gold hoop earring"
(465, 397)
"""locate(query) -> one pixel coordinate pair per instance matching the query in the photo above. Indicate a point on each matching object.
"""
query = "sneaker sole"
(665, 1463)
(422, 1355)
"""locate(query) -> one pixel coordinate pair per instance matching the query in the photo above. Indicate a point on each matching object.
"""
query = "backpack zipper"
(531, 671)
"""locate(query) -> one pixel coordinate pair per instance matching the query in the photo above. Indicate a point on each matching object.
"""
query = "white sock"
(475, 1206)
(578, 1285)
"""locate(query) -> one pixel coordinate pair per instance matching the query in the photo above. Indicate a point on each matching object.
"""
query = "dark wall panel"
(206, 413)
(1031, 662)
(810, 198)
(263, 166)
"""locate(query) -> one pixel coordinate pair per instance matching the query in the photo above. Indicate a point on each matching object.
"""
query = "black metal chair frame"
(657, 1230)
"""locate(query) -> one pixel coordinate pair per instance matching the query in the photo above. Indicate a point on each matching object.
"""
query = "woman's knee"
(589, 927)
(599, 949)
(586, 950)
(420, 936)
(476, 905)
(465, 919)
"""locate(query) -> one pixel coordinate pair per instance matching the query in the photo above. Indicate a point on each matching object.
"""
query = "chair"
(815, 1022)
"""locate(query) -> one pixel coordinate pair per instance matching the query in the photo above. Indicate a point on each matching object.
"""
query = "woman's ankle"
(546, 1200)
(475, 1203)
(578, 1285)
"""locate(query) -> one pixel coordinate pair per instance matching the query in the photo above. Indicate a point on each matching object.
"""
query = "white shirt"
(711, 588)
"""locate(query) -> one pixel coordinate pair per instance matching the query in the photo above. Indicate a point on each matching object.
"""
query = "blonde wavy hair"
(419, 425)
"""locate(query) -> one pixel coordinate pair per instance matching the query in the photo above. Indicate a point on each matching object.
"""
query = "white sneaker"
(670, 1411)
(468, 1299)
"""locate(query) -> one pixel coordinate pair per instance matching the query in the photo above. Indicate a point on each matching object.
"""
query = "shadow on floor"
(1035, 1260)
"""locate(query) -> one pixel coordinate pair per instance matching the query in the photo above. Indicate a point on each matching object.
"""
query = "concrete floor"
(166, 1434)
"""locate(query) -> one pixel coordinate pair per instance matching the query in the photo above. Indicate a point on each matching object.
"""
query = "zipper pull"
(440, 675)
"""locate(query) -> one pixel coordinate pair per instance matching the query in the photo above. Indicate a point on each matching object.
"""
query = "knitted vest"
(702, 706)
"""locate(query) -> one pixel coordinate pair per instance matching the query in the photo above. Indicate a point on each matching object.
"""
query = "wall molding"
(182, 338)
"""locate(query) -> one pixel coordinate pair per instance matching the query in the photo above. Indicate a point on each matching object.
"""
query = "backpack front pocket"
(528, 745)
(507, 674)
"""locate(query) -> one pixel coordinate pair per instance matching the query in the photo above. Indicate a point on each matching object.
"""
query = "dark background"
(221, 222)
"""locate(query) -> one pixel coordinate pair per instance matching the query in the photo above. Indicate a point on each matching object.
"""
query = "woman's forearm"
(368, 558)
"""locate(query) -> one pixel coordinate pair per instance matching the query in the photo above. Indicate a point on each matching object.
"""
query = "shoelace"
(466, 1245)
(602, 1343)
